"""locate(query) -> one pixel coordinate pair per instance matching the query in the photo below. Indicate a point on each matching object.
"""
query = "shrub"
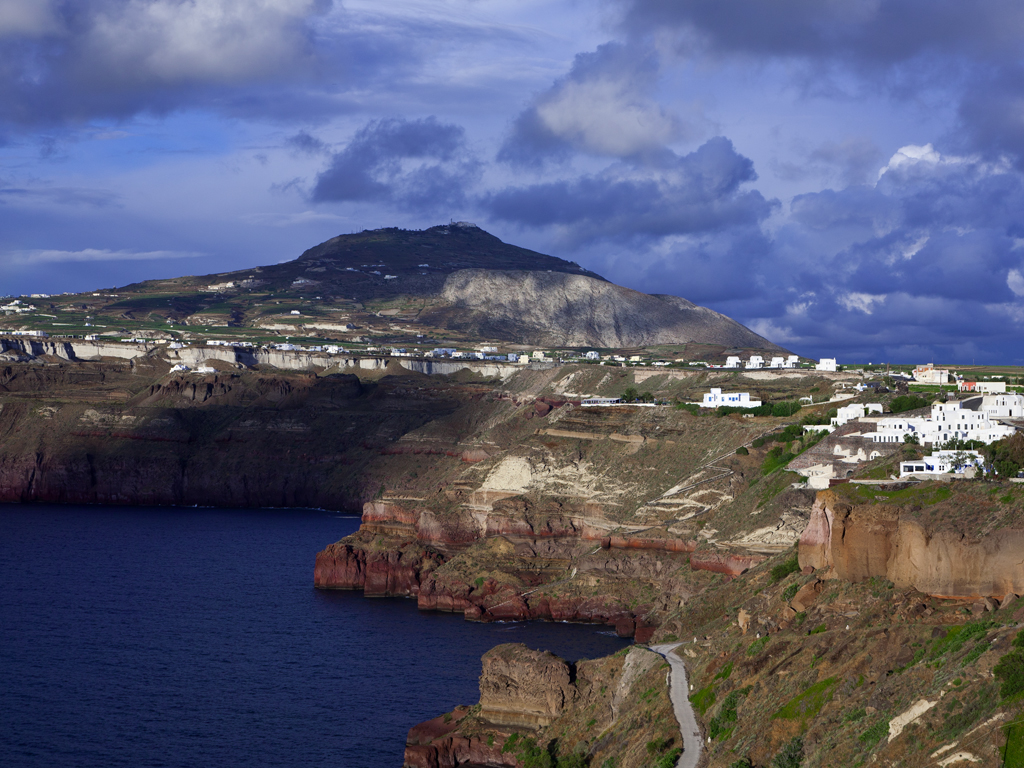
(784, 569)
(758, 442)
(1010, 670)
(874, 734)
(690, 407)
(742, 451)
(908, 403)
(791, 755)
(757, 646)
(782, 410)
(668, 760)
(790, 592)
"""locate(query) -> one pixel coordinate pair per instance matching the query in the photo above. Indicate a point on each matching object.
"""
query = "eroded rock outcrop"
(522, 687)
(860, 541)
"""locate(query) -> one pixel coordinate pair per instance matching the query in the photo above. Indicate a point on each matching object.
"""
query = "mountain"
(478, 285)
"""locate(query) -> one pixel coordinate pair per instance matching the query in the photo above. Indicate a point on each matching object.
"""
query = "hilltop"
(453, 283)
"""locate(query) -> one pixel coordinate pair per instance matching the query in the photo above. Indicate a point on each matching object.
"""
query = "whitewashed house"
(777, 362)
(856, 411)
(827, 364)
(948, 421)
(983, 387)
(592, 355)
(1003, 406)
(929, 374)
(733, 361)
(792, 361)
(755, 362)
(964, 463)
(716, 398)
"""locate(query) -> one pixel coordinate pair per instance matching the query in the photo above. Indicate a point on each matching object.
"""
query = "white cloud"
(93, 254)
(774, 333)
(863, 302)
(1015, 282)
(605, 116)
(30, 18)
(194, 40)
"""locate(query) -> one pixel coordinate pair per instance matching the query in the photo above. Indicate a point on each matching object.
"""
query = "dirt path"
(679, 694)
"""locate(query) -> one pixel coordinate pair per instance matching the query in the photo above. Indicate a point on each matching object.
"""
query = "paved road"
(679, 694)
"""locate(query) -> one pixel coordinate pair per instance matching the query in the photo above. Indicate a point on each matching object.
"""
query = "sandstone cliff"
(860, 541)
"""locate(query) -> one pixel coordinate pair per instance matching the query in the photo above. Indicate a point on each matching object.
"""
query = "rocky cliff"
(860, 541)
(602, 709)
(556, 308)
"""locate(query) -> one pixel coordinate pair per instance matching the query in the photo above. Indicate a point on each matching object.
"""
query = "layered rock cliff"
(860, 541)
(598, 709)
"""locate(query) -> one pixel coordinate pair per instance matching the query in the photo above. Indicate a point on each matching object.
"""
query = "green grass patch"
(757, 646)
(722, 724)
(958, 636)
(724, 672)
(808, 704)
(703, 699)
(1013, 752)
(875, 733)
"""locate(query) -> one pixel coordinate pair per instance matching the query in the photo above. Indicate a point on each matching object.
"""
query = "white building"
(929, 374)
(827, 364)
(1003, 406)
(777, 362)
(948, 421)
(601, 401)
(205, 369)
(856, 411)
(755, 362)
(983, 387)
(792, 361)
(964, 463)
(593, 355)
(179, 367)
(715, 398)
(732, 361)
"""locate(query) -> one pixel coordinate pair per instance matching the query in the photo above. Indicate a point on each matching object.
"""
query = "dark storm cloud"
(418, 165)
(306, 143)
(667, 195)
(965, 54)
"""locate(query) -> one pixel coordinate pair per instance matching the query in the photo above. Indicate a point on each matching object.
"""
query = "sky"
(845, 177)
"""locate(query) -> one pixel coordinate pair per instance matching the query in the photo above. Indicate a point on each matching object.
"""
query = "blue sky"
(843, 176)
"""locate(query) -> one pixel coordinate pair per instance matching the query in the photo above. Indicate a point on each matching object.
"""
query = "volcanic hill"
(451, 279)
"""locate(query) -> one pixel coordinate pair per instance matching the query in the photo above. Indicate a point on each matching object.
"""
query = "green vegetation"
(703, 699)
(1010, 670)
(757, 646)
(776, 458)
(531, 755)
(854, 715)
(689, 407)
(724, 672)
(1013, 752)
(721, 725)
(742, 451)
(806, 705)
(1006, 456)
(791, 755)
(908, 403)
(818, 629)
(784, 569)
(790, 592)
(875, 733)
(957, 637)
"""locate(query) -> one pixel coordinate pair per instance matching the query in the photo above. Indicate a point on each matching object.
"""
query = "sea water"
(194, 637)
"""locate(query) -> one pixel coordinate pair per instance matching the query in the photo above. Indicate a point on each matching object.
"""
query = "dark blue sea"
(194, 638)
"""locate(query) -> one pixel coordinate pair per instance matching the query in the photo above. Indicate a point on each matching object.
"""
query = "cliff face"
(604, 708)
(579, 310)
(858, 542)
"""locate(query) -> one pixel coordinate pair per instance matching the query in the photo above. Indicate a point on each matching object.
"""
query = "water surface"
(193, 637)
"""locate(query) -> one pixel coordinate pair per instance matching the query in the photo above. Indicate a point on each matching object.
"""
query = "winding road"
(679, 694)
